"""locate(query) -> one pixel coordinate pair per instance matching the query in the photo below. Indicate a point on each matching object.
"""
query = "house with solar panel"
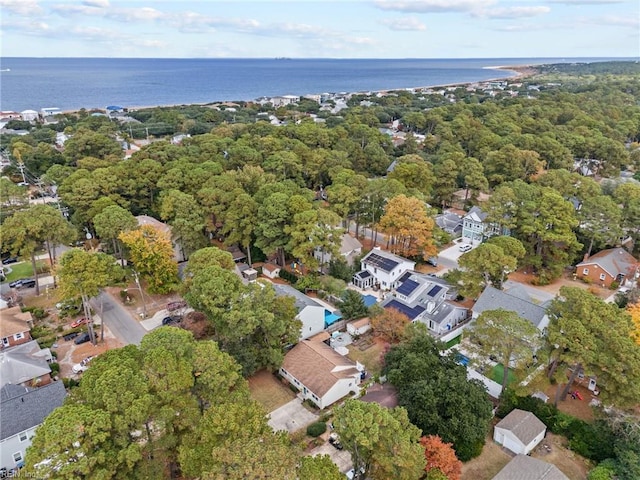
(430, 300)
(381, 269)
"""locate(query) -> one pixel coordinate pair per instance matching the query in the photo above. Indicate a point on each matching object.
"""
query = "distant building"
(449, 222)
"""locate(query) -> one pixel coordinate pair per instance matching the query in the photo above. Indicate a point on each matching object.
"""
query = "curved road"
(118, 320)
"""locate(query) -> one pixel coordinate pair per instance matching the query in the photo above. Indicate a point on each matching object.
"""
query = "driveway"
(291, 416)
(341, 458)
(126, 329)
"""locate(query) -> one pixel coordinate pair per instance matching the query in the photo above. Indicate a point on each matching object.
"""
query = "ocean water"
(74, 83)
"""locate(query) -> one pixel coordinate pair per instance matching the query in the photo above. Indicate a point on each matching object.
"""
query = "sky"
(320, 29)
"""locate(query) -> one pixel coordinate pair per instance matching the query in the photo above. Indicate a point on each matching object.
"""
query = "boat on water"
(5, 70)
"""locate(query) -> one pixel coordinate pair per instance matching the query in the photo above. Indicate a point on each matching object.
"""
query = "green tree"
(382, 442)
(589, 335)
(111, 222)
(434, 389)
(600, 220)
(318, 467)
(504, 335)
(315, 228)
(151, 252)
(352, 305)
(206, 257)
(485, 265)
(83, 274)
(186, 218)
(240, 221)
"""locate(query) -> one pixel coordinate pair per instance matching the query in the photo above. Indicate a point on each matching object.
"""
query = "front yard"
(268, 391)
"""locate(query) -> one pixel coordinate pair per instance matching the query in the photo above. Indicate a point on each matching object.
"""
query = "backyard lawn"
(498, 371)
(370, 357)
(22, 270)
(268, 391)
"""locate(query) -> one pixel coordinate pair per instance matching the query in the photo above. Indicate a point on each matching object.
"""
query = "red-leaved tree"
(441, 457)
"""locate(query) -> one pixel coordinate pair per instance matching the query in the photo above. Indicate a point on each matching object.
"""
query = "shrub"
(292, 278)
(70, 383)
(316, 429)
(55, 368)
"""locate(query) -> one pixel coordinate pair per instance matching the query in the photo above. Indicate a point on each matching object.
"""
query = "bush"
(55, 368)
(288, 276)
(70, 383)
(316, 429)
(40, 331)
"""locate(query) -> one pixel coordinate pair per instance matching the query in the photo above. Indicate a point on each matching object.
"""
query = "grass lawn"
(453, 341)
(22, 270)
(498, 371)
(371, 358)
(267, 390)
(488, 464)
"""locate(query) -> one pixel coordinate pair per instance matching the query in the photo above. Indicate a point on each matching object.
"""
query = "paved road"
(118, 320)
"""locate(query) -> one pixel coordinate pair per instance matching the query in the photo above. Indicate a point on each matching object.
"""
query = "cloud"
(433, 6)
(631, 21)
(586, 2)
(512, 12)
(96, 3)
(24, 8)
(404, 24)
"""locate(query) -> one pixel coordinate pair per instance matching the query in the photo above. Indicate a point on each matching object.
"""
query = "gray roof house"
(476, 228)
(493, 299)
(22, 410)
(449, 222)
(311, 313)
(520, 431)
(25, 364)
(350, 248)
(427, 299)
(523, 467)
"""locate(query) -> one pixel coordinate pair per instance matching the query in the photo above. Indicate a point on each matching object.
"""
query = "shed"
(270, 270)
(520, 431)
(359, 327)
(522, 467)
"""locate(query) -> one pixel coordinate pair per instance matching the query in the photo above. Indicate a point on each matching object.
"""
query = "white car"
(82, 366)
(465, 247)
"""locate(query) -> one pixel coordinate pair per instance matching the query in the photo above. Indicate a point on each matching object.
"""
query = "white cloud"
(24, 8)
(96, 3)
(404, 24)
(586, 2)
(512, 12)
(433, 6)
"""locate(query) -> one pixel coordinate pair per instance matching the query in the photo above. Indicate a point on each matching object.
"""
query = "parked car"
(433, 261)
(77, 323)
(17, 283)
(9, 260)
(173, 306)
(82, 338)
(28, 283)
(170, 320)
(335, 441)
(82, 366)
(465, 247)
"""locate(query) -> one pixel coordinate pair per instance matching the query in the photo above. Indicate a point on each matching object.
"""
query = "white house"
(270, 270)
(520, 432)
(381, 269)
(524, 467)
(310, 313)
(320, 373)
(350, 248)
(22, 410)
(29, 115)
(359, 327)
(178, 251)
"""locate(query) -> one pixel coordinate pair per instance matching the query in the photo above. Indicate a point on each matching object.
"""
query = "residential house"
(359, 327)
(22, 410)
(26, 364)
(29, 115)
(523, 467)
(520, 431)
(314, 316)
(476, 228)
(450, 222)
(15, 326)
(236, 253)
(179, 254)
(381, 269)
(322, 375)
(609, 266)
(427, 299)
(515, 300)
(270, 270)
(350, 248)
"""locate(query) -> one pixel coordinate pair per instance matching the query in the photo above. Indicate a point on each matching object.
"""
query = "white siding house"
(22, 410)
(310, 312)
(359, 327)
(322, 375)
(381, 269)
(350, 248)
(520, 432)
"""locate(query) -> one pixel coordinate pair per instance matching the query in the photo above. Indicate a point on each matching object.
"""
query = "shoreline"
(519, 72)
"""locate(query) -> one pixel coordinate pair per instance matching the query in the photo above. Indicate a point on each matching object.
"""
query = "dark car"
(335, 441)
(7, 261)
(170, 320)
(83, 338)
(18, 283)
(28, 283)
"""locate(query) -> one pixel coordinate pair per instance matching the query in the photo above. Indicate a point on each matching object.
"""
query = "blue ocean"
(74, 83)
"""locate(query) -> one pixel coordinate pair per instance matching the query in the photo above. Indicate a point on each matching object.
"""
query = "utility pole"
(21, 168)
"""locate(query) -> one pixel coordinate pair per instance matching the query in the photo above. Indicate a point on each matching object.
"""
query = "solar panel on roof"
(406, 309)
(379, 261)
(405, 276)
(363, 274)
(434, 291)
(408, 287)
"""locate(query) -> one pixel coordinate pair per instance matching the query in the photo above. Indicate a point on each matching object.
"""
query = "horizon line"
(328, 58)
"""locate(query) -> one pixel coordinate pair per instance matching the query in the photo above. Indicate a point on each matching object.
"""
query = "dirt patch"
(371, 356)
(526, 277)
(137, 305)
(553, 450)
(270, 392)
(69, 353)
(574, 406)
(484, 467)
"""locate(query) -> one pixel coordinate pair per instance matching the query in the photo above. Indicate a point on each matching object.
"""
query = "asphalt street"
(118, 320)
